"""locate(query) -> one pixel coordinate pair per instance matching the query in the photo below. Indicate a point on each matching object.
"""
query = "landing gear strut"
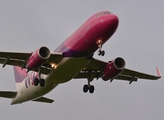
(37, 81)
(100, 51)
(89, 87)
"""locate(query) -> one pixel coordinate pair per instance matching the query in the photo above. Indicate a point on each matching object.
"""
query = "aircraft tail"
(20, 74)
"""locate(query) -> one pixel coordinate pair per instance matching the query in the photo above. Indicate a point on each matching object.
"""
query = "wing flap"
(139, 74)
(15, 62)
(98, 75)
(87, 74)
(126, 78)
(43, 99)
(7, 94)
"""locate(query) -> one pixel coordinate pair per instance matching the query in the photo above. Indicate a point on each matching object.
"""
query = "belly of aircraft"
(67, 69)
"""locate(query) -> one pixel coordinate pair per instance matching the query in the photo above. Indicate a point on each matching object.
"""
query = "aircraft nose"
(113, 20)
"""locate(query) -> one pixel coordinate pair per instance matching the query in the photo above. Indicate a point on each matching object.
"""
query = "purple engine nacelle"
(114, 68)
(38, 58)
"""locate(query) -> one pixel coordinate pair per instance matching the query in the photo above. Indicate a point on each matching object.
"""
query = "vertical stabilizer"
(20, 74)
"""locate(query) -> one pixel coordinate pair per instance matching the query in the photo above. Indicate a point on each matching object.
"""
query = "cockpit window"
(103, 13)
(106, 12)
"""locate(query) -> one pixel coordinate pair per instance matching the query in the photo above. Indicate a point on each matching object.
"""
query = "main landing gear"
(89, 87)
(37, 81)
(100, 51)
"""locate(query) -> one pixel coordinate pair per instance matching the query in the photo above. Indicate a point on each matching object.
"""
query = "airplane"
(39, 72)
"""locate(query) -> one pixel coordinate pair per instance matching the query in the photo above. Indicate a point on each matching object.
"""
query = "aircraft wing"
(20, 59)
(97, 67)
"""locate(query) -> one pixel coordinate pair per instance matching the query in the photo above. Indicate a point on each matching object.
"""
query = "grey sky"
(28, 25)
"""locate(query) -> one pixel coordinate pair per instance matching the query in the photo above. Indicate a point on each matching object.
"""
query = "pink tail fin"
(20, 74)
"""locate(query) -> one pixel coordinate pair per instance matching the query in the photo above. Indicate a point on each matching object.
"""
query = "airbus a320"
(39, 72)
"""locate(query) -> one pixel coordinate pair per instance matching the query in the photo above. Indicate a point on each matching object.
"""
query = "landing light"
(53, 65)
(99, 41)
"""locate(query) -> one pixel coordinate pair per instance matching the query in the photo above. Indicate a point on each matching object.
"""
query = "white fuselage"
(67, 69)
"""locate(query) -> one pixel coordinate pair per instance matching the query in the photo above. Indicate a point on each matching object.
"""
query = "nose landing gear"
(100, 51)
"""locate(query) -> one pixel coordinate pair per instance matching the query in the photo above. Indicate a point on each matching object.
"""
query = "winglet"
(158, 72)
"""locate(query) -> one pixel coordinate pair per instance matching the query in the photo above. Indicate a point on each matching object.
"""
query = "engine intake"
(114, 68)
(38, 58)
(119, 63)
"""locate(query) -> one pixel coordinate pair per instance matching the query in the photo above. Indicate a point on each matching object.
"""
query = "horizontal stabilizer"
(8, 94)
(43, 99)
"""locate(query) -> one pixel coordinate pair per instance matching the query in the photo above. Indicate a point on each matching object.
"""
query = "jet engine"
(113, 68)
(38, 58)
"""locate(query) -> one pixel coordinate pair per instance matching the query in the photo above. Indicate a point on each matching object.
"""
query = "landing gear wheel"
(36, 81)
(91, 89)
(103, 53)
(85, 88)
(42, 82)
(99, 52)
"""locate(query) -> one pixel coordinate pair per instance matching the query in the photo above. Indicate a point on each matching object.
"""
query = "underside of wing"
(21, 60)
(96, 68)
(140, 74)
